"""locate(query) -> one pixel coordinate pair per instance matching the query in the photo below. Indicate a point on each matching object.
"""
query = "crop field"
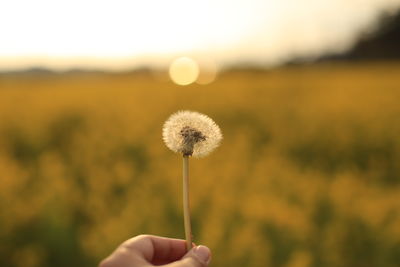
(307, 175)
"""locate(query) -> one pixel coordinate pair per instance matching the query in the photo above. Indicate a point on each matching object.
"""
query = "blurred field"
(308, 173)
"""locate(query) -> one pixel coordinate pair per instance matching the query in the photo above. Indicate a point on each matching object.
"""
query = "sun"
(184, 71)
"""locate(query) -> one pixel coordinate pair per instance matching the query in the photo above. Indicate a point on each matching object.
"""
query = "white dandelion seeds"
(192, 134)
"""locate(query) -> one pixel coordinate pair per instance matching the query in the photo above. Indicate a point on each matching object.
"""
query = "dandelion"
(192, 134)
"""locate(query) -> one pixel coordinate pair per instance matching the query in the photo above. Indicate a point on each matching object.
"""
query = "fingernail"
(203, 253)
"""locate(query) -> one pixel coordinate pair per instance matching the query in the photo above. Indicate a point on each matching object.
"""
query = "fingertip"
(203, 253)
(199, 256)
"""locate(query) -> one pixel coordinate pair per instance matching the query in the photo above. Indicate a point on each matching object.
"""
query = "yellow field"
(308, 173)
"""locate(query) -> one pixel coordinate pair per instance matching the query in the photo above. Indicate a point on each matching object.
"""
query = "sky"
(122, 34)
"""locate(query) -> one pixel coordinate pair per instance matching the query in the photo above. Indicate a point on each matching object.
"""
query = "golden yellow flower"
(191, 133)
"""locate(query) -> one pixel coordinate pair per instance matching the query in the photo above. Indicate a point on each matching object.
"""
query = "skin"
(148, 250)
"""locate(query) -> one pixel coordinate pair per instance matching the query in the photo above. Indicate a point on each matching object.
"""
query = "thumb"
(199, 256)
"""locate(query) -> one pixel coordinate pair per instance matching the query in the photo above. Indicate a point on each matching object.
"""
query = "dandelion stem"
(186, 209)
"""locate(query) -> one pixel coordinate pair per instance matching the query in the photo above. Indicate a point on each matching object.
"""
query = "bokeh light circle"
(208, 72)
(184, 71)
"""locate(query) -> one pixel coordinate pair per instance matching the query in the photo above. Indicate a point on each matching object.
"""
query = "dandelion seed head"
(191, 133)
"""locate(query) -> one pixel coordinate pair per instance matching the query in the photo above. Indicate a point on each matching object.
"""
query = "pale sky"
(122, 34)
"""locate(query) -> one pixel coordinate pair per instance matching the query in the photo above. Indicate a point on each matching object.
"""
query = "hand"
(148, 250)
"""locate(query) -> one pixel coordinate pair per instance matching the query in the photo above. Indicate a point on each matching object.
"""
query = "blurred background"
(306, 93)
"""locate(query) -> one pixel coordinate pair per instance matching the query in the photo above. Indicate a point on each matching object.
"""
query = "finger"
(199, 256)
(157, 250)
(123, 257)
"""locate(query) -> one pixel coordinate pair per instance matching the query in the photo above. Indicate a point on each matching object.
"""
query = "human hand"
(148, 250)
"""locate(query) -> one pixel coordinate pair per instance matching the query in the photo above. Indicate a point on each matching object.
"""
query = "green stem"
(186, 209)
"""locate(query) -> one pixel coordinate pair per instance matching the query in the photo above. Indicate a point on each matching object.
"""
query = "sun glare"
(208, 72)
(122, 34)
(184, 71)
